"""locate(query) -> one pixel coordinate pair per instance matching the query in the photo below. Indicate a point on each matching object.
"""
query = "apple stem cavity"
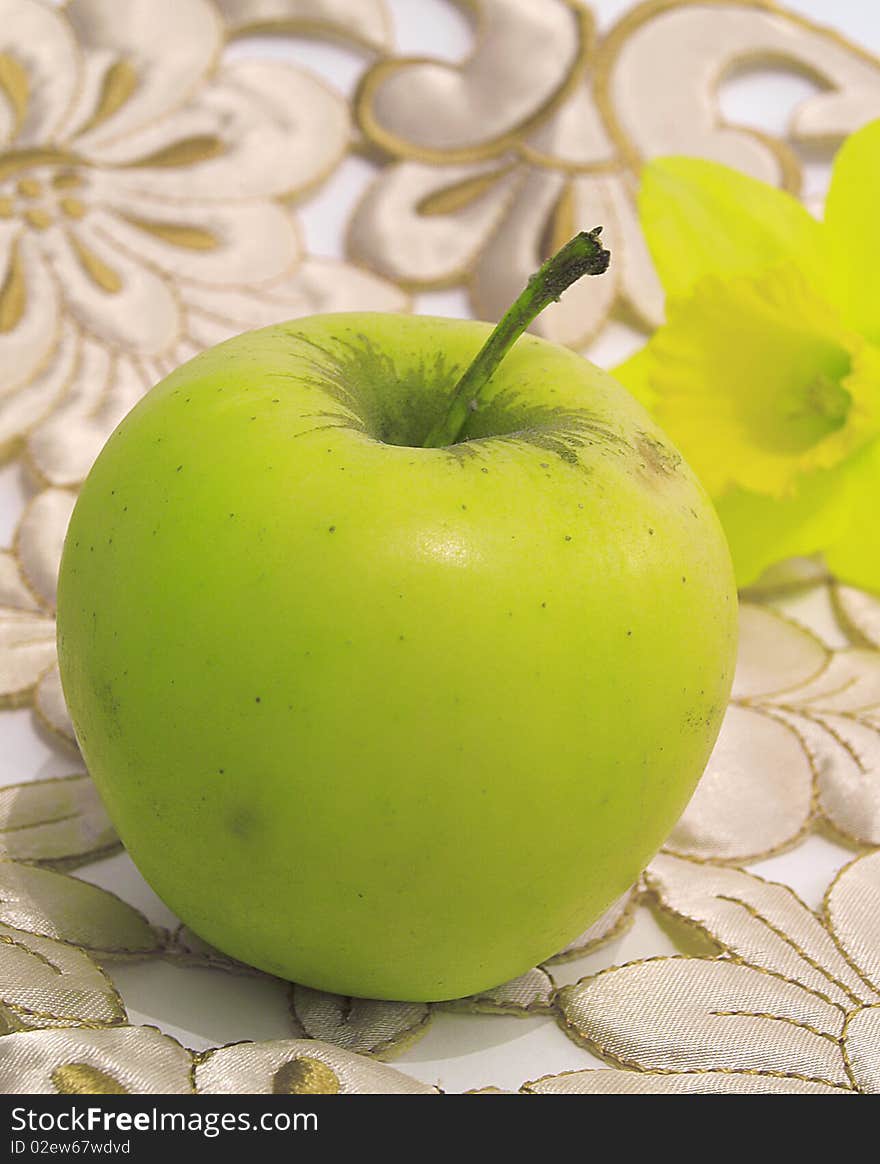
(583, 255)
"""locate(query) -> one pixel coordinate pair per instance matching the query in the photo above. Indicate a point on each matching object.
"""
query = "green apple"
(387, 719)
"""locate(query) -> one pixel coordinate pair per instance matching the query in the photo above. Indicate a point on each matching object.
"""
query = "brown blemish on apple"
(657, 458)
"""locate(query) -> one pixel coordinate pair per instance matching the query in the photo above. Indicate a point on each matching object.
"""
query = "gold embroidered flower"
(143, 179)
(792, 1003)
(488, 176)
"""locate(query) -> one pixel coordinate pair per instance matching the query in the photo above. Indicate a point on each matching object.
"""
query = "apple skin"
(392, 721)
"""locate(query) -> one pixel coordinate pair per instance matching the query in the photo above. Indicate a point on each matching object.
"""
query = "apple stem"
(583, 255)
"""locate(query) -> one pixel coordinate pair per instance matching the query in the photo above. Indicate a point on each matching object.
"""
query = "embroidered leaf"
(860, 614)
(39, 540)
(293, 1067)
(47, 983)
(27, 651)
(14, 592)
(367, 21)
(837, 717)
(60, 821)
(682, 1014)
(116, 1061)
(861, 1039)
(852, 910)
(51, 707)
(774, 653)
(358, 1024)
(530, 993)
(458, 196)
(57, 906)
(675, 1083)
(759, 922)
(755, 794)
(800, 716)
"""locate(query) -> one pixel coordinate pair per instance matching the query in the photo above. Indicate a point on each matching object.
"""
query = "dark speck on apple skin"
(243, 822)
(110, 704)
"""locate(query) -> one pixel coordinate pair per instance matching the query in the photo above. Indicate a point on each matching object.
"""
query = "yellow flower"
(767, 370)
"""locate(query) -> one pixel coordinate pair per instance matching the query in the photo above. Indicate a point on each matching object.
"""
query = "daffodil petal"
(635, 375)
(701, 218)
(853, 231)
(762, 531)
(758, 383)
(855, 556)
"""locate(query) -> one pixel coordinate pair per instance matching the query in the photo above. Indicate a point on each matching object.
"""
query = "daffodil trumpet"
(766, 372)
